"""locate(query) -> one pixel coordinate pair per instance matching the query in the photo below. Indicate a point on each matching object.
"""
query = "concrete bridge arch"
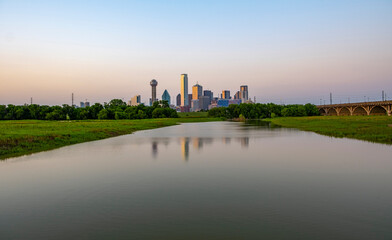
(360, 111)
(345, 111)
(379, 110)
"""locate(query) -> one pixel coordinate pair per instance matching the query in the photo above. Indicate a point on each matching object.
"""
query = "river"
(217, 180)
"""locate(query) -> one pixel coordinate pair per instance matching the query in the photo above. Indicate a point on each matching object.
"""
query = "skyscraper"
(178, 100)
(166, 96)
(208, 93)
(184, 90)
(237, 95)
(197, 91)
(204, 102)
(244, 93)
(153, 84)
(225, 94)
(189, 100)
(136, 100)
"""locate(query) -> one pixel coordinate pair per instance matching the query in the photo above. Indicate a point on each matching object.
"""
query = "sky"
(285, 51)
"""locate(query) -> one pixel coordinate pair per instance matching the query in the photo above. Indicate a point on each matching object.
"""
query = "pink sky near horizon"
(102, 61)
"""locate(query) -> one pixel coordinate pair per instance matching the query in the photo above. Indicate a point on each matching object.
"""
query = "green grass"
(369, 128)
(22, 137)
(193, 114)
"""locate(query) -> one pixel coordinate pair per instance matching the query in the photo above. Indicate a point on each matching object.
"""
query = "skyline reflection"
(198, 144)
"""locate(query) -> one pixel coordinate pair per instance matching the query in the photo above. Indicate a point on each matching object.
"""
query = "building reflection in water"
(244, 142)
(196, 143)
(154, 149)
(185, 148)
(226, 140)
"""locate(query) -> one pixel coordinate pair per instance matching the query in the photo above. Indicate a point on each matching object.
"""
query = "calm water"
(221, 180)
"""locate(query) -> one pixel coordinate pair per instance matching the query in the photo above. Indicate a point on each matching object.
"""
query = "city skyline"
(285, 52)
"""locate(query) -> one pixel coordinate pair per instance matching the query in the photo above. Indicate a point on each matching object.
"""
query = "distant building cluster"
(196, 100)
(84, 104)
(204, 100)
(135, 101)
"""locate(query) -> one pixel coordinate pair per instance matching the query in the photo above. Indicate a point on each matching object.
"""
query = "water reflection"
(189, 144)
(245, 142)
(222, 180)
(154, 148)
(185, 148)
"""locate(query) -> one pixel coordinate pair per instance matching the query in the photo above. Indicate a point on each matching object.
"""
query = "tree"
(117, 103)
(3, 112)
(164, 104)
(158, 113)
(10, 114)
(34, 110)
(70, 111)
(20, 113)
(55, 115)
(103, 114)
(293, 111)
(94, 110)
(120, 115)
(43, 110)
(173, 114)
(311, 110)
(83, 114)
(141, 115)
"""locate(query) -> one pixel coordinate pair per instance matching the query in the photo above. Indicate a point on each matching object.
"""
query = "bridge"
(357, 109)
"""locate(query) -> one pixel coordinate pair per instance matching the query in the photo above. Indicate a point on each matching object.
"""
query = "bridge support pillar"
(338, 111)
(389, 110)
(367, 109)
(351, 110)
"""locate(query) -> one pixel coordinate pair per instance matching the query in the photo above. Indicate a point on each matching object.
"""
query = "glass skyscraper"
(184, 90)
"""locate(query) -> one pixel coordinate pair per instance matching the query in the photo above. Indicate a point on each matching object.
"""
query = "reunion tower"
(153, 84)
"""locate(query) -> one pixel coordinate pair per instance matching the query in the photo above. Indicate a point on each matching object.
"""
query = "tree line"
(259, 110)
(115, 109)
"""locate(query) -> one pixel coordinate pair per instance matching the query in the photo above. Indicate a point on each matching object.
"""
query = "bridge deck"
(358, 108)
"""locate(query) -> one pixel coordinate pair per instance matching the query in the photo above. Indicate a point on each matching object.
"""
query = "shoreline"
(374, 129)
(24, 137)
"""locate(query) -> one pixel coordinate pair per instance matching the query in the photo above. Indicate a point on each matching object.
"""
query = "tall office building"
(136, 100)
(184, 90)
(244, 93)
(153, 84)
(237, 95)
(225, 94)
(166, 96)
(195, 105)
(208, 93)
(178, 100)
(189, 100)
(204, 102)
(197, 91)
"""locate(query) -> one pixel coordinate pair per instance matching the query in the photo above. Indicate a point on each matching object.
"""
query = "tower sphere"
(153, 83)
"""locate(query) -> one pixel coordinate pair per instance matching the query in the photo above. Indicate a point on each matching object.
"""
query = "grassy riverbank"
(22, 137)
(370, 128)
(193, 114)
